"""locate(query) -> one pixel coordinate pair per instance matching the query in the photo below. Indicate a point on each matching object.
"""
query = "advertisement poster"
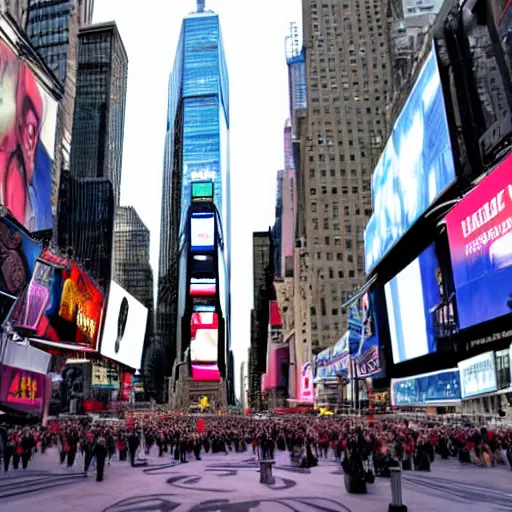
(368, 358)
(416, 165)
(480, 238)
(203, 287)
(478, 375)
(205, 372)
(60, 304)
(411, 296)
(22, 390)
(27, 144)
(307, 391)
(124, 330)
(202, 232)
(104, 377)
(430, 388)
(204, 337)
(18, 255)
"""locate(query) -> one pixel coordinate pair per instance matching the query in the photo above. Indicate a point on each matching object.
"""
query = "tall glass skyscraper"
(194, 269)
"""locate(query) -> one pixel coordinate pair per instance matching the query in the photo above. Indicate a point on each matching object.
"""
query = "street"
(231, 484)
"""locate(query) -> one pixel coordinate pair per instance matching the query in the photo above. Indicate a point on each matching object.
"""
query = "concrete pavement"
(231, 484)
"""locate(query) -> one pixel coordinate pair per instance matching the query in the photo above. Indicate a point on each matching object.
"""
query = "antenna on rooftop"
(200, 5)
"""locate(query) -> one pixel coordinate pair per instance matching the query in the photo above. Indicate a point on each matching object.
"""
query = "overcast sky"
(254, 33)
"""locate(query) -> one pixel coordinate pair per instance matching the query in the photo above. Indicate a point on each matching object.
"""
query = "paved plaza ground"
(231, 483)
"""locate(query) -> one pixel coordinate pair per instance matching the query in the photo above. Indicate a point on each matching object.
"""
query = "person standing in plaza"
(100, 452)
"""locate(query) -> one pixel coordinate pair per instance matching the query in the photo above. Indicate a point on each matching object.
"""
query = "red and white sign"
(202, 233)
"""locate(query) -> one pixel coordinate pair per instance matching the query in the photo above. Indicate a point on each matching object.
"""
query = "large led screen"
(478, 375)
(60, 304)
(22, 390)
(27, 135)
(202, 232)
(18, 255)
(410, 298)
(204, 337)
(430, 388)
(203, 287)
(415, 167)
(368, 358)
(205, 372)
(125, 328)
(480, 237)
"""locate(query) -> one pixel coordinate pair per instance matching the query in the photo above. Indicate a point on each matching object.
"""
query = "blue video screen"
(411, 297)
(415, 167)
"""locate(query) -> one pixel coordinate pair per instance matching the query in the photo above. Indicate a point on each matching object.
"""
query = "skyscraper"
(52, 28)
(98, 123)
(348, 82)
(85, 224)
(130, 261)
(194, 267)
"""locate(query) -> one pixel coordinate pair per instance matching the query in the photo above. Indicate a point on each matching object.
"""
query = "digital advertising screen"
(415, 167)
(478, 375)
(202, 190)
(124, 330)
(410, 298)
(427, 389)
(203, 287)
(204, 337)
(202, 232)
(480, 237)
(307, 390)
(19, 253)
(22, 390)
(27, 144)
(104, 377)
(368, 357)
(60, 304)
(205, 372)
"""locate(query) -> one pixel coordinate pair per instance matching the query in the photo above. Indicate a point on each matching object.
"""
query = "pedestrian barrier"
(266, 476)
(396, 504)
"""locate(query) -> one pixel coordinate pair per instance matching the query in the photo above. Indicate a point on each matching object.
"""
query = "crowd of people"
(411, 444)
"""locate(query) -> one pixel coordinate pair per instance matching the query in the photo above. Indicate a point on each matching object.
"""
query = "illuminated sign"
(203, 175)
(203, 286)
(22, 389)
(202, 232)
(103, 377)
(204, 308)
(202, 191)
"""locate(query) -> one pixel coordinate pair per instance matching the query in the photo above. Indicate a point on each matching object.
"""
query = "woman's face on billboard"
(9, 67)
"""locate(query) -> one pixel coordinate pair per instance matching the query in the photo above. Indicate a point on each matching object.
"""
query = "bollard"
(266, 471)
(396, 504)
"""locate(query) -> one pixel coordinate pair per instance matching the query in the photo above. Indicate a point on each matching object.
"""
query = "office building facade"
(98, 122)
(130, 262)
(194, 267)
(85, 224)
(52, 27)
(348, 82)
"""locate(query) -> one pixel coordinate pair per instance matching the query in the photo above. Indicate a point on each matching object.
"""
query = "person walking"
(100, 452)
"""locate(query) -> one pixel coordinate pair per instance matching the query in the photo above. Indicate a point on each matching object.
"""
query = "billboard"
(22, 390)
(480, 238)
(104, 377)
(202, 232)
(203, 286)
(27, 135)
(18, 255)
(205, 372)
(410, 298)
(306, 390)
(124, 329)
(427, 389)
(415, 167)
(368, 357)
(204, 337)
(60, 304)
(478, 375)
